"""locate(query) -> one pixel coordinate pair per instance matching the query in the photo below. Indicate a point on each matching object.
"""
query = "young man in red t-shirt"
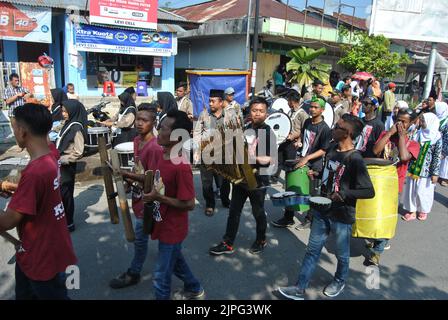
(37, 211)
(171, 226)
(147, 153)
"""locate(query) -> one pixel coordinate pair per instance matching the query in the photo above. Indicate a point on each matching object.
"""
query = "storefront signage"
(99, 39)
(129, 13)
(22, 23)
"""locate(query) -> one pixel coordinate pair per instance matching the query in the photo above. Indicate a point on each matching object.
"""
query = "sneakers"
(124, 280)
(304, 225)
(374, 259)
(282, 223)
(222, 248)
(189, 295)
(292, 293)
(370, 245)
(258, 247)
(334, 288)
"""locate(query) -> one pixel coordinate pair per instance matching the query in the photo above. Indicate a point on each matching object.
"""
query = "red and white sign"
(128, 13)
(22, 23)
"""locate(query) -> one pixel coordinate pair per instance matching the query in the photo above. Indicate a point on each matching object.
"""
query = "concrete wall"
(224, 52)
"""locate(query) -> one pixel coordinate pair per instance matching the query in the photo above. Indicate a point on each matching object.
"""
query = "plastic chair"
(109, 88)
(142, 88)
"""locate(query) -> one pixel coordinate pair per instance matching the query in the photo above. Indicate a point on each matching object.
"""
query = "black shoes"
(283, 223)
(222, 248)
(124, 280)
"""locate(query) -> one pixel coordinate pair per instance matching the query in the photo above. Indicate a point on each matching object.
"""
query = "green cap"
(320, 101)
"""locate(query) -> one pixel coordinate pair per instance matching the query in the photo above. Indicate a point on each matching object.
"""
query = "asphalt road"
(414, 268)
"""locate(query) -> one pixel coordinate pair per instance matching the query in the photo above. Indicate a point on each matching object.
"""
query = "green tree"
(372, 54)
(305, 67)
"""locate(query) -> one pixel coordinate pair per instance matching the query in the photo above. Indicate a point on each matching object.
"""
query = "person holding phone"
(14, 93)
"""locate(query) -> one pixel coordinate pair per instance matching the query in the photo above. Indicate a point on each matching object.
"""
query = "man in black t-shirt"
(316, 136)
(261, 140)
(373, 127)
(346, 180)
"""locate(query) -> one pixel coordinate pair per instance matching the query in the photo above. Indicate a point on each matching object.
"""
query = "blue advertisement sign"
(100, 39)
(200, 86)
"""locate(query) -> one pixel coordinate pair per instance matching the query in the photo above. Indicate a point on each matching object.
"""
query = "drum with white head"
(126, 154)
(95, 132)
(280, 125)
(328, 115)
(280, 104)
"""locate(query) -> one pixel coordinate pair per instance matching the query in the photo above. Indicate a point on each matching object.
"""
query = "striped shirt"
(10, 92)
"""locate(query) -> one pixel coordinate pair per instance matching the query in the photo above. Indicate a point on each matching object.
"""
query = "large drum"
(280, 124)
(377, 218)
(95, 132)
(126, 155)
(280, 104)
(299, 182)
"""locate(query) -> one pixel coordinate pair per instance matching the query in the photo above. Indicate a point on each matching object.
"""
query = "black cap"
(215, 93)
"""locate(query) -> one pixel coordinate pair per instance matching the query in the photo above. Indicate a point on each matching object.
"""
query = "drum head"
(280, 104)
(320, 201)
(280, 125)
(328, 115)
(126, 147)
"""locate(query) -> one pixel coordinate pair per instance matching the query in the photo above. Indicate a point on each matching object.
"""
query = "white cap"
(229, 90)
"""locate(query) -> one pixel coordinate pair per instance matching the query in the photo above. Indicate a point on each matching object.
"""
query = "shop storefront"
(97, 54)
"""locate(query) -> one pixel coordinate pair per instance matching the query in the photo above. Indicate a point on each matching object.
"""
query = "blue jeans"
(170, 260)
(320, 230)
(140, 248)
(378, 245)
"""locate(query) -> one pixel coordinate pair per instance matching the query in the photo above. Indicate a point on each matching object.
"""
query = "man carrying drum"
(316, 136)
(350, 181)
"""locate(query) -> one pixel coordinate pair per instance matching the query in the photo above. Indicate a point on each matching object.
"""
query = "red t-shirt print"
(46, 244)
(178, 181)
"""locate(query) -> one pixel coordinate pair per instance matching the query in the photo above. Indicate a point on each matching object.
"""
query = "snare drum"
(94, 133)
(377, 218)
(288, 199)
(321, 204)
(280, 125)
(126, 155)
(298, 181)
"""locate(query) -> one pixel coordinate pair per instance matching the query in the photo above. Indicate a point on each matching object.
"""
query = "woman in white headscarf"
(423, 173)
(442, 114)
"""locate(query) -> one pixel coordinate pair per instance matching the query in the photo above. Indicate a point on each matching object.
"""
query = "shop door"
(30, 51)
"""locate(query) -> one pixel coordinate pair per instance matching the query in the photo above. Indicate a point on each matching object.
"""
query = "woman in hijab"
(70, 144)
(132, 92)
(58, 95)
(122, 123)
(166, 102)
(442, 114)
(423, 173)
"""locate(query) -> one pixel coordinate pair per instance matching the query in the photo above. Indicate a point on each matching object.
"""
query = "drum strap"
(62, 134)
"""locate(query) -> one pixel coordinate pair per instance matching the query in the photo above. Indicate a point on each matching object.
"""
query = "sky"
(360, 5)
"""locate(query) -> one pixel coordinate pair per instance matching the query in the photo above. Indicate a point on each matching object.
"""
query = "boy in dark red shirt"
(171, 226)
(147, 153)
(37, 211)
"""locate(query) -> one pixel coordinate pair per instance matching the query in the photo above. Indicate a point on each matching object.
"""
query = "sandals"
(209, 212)
(409, 216)
(422, 216)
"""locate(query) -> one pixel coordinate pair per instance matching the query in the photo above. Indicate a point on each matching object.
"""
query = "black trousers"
(239, 197)
(27, 289)
(207, 177)
(68, 173)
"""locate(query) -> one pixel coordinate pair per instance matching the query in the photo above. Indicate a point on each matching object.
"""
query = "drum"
(280, 104)
(288, 199)
(126, 154)
(280, 125)
(328, 115)
(377, 218)
(298, 181)
(320, 204)
(94, 133)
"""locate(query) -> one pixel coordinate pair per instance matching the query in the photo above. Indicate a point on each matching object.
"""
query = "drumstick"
(11, 239)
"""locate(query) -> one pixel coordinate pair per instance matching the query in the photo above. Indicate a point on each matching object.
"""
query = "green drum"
(299, 182)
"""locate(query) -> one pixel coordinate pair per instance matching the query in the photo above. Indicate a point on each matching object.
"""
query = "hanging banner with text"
(22, 23)
(129, 13)
(100, 39)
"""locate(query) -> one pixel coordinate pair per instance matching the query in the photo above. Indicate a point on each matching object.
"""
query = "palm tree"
(304, 69)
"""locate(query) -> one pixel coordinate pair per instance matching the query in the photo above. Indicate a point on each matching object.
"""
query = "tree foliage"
(372, 54)
(305, 67)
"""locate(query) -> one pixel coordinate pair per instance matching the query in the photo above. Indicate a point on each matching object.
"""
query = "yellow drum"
(377, 218)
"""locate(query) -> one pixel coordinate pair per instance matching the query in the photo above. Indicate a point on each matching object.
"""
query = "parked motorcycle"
(98, 113)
